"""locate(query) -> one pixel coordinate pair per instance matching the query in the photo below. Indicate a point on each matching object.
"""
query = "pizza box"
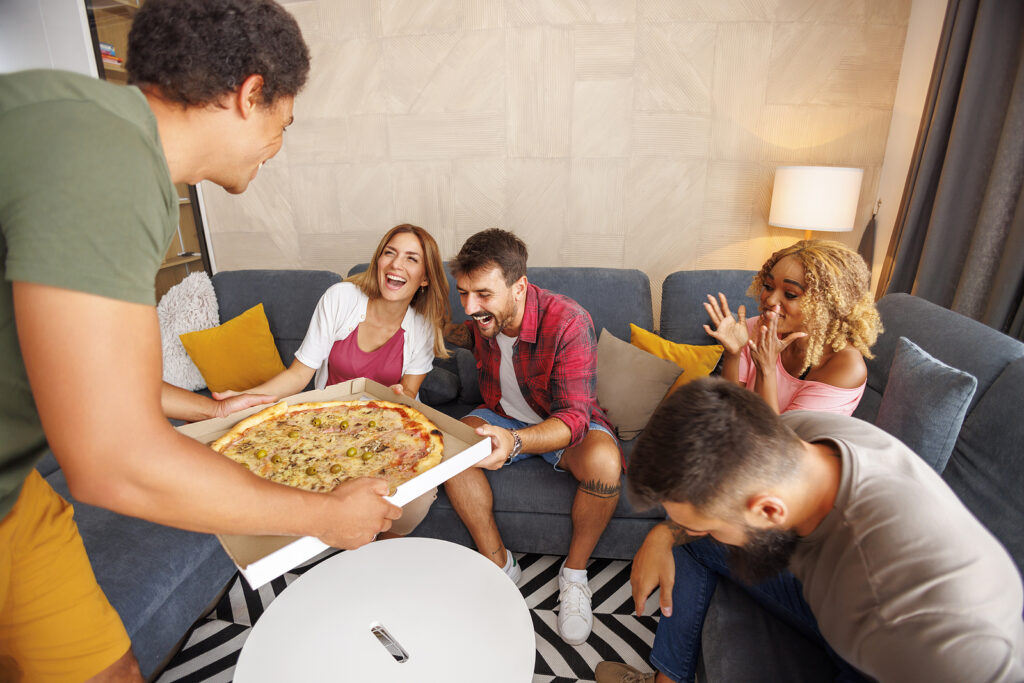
(261, 559)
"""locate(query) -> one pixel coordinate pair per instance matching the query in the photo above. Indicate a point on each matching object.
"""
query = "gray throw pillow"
(924, 403)
(630, 383)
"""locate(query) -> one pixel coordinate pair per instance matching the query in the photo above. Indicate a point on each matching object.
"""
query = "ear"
(250, 95)
(767, 510)
(519, 288)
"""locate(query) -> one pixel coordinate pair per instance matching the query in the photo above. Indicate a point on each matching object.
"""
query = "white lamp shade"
(815, 197)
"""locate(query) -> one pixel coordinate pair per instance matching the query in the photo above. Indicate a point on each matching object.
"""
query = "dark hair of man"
(706, 444)
(196, 51)
(489, 248)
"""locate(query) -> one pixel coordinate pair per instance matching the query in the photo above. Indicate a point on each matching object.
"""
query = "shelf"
(180, 260)
(184, 200)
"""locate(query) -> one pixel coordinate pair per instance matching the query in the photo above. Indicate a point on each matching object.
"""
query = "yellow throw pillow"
(238, 354)
(696, 361)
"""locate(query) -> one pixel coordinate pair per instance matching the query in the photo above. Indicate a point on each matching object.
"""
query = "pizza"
(316, 446)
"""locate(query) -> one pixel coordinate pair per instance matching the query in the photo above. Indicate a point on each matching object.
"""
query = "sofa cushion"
(695, 360)
(949, 337)
(987, 469)
(924, 403)
(289, 298)
(630, 383)
(188, 306)
(238, 354)
(682, 301)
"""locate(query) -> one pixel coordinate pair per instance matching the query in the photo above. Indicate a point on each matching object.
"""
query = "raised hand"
(231, 402)
(730, 332)
(766, 346)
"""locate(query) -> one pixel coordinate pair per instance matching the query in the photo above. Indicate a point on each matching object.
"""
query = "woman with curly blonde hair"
(818, 322)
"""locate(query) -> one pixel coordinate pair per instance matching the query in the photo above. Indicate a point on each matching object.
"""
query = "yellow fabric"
(55, 622)
(238, 354)
(696, 361)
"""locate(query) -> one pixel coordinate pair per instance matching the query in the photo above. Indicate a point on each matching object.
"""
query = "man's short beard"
(765, 554)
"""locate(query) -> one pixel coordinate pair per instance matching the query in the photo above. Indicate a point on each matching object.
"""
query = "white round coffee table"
(406, 609)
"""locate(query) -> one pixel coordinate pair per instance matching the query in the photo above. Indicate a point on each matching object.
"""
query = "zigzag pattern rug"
(214, 643)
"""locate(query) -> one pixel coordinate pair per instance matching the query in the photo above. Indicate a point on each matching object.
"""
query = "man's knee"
(597, 457)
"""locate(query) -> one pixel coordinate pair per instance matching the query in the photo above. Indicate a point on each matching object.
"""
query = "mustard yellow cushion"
(238, 354)
(696, 361)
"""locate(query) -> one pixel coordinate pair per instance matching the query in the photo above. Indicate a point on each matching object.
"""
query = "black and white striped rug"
(214, 643)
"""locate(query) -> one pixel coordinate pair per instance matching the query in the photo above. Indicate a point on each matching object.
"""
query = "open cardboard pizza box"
(261, 559)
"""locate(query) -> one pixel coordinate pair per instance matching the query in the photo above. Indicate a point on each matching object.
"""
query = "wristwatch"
(517, 447)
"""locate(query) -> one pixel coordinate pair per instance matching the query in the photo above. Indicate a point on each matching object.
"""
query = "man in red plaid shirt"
(537, 357)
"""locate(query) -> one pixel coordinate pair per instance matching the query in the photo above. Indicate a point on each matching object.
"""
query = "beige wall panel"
(337, 20)
(244, 250)
(337, 140)
(604, 52)
(560, 12)
(409, 64)
(537, 207)
(469, 79)
(345, 77)
(880, 12)
(418, 17)
(597, 197)
(333, 199)
(424, 197)
(670, 134)
(539, 70)
(338, 252)
(675, 65)
(479, 189)
(664, 204)
(742, 52)
(445, 136)
(594, 251)
(685, 11)
(601, 115)
(828, 64)
(829, 11)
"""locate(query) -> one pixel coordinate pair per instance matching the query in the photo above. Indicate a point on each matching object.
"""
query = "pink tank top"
(347, 361)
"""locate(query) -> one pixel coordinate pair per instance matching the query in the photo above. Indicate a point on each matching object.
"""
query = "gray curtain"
(959, 234)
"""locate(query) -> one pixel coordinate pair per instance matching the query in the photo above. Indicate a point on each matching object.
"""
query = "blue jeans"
(551, 457)
(699, 564)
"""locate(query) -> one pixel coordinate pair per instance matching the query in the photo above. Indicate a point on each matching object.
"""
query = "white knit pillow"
(188, 306)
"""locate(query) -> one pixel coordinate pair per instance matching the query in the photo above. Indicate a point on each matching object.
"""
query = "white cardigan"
(339, 312)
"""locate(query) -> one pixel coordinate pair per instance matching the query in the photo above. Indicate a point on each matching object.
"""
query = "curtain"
(959, 234)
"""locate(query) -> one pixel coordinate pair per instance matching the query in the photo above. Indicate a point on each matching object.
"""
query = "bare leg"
(470, 495)
(124, 670)
(596, 465)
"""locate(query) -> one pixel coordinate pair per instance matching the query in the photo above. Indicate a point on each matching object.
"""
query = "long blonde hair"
(430, 301)
(836, 304)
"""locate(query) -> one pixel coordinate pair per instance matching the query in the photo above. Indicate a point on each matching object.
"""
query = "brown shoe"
(617, 672)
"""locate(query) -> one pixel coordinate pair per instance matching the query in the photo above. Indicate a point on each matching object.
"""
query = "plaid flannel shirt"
(555, 361)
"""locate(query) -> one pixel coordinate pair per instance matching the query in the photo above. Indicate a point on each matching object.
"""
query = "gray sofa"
(161, 580)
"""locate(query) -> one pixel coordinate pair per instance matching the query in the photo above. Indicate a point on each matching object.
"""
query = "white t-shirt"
(512, 400)
(339, 312)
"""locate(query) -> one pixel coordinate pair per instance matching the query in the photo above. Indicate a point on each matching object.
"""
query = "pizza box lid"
(260, 559)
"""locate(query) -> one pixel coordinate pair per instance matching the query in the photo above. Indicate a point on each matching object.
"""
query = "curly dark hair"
(492, 247)
(195, 51)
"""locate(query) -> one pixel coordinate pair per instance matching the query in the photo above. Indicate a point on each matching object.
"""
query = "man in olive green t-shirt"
(87, 210)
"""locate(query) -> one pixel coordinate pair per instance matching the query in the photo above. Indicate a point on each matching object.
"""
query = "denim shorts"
(551, 457)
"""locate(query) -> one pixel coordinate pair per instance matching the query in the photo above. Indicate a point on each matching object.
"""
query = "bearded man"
(537, 357)
(886, 567)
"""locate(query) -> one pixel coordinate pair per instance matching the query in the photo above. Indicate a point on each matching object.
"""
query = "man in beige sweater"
(886, 567)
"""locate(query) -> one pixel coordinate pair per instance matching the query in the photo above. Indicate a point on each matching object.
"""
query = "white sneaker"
(511, 567)
(575, 619)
